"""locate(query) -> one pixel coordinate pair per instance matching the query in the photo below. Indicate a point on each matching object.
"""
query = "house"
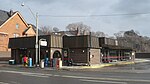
(12, 24)
(31, 31)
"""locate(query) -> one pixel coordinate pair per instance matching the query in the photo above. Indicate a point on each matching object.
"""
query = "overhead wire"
(105, 15)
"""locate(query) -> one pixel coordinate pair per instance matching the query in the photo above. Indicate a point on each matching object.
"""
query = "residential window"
(17, 26)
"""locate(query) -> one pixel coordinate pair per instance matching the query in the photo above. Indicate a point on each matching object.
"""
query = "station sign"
(43, 43)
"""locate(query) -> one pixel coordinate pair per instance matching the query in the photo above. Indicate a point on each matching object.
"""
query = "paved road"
(126, 74)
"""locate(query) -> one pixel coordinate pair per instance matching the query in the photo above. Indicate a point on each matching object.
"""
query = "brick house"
(12, 24)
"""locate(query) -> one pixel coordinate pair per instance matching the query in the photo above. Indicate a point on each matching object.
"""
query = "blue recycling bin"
(30, 62)
(46, 62)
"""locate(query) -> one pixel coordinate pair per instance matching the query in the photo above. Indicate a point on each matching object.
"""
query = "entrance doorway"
(57, 54)
(21, 53)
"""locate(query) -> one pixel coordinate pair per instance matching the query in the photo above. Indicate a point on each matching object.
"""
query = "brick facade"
(95, 56)
(3, 42)
(13, 27)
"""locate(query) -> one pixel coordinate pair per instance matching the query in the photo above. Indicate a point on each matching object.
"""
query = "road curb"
(103, 65)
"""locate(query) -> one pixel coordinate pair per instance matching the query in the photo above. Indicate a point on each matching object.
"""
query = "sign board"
(43, 43)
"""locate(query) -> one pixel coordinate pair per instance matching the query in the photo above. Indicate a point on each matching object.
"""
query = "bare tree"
(132, 39)
(55, 29)
(80, 27)
(46, 29)
(98, 34)
(119, 34)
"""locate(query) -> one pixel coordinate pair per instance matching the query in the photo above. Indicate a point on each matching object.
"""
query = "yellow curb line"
(105, 65)
(97, 66)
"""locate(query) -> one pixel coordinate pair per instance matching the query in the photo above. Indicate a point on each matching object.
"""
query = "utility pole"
(36, 44)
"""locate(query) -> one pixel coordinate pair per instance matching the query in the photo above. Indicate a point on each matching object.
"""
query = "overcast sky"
(108, 24)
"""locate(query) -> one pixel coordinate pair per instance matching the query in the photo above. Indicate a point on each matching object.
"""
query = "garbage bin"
(11, 62)
(42, 63)
(60, 63)
(30, 62)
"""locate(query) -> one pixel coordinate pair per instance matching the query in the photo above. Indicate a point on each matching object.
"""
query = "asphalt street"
(123, 74)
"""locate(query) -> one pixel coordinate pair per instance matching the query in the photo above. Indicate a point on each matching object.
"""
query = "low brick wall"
(5, 58)
(5, 55)
(142, 55)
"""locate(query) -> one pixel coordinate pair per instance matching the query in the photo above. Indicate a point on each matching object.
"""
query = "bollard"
(54, 62)
(51, 63)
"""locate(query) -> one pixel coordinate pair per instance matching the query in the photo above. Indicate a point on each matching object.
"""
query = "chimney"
(11, 12)
(116, 42)
(78, 31)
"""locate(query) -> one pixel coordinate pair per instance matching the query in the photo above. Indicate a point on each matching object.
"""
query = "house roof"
(34, 28)
(66, 33)
(4, 15)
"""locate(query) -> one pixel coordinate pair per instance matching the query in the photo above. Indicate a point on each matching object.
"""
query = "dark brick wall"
(79, 55)
(142, 55)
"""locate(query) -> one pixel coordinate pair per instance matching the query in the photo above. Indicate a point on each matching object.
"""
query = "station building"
(82, 49)
(112, 51)
(22, 46)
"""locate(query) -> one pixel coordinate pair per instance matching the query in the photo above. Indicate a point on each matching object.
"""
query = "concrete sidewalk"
(5, 64)
(104, 64)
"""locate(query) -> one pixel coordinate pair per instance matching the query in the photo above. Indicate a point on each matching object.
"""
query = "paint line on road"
(3, 83)
(57, 75)
(69, 76)
(77, 77)
(108, 79)
(36, 75)
(109, 82)
(28, 73)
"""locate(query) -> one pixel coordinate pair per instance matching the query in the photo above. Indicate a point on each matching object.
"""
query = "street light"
(36, 44)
